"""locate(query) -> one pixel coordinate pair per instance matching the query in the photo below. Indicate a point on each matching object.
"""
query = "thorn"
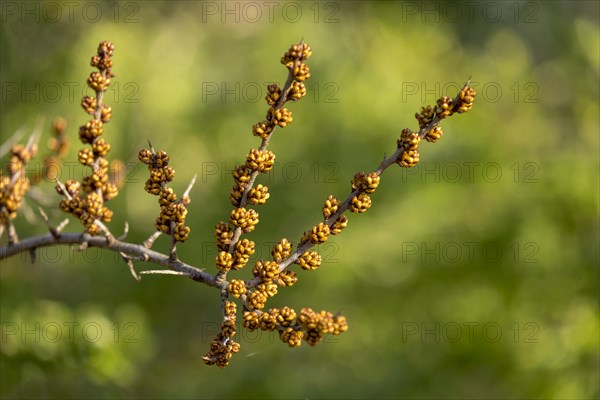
(13, 238)
(52, 230)
(164, 272)
(62, 225)
(467, 82)
(125, 231)
(43, 214)
(63, 189)
(84, 244)
(129, 263)
(189, 188)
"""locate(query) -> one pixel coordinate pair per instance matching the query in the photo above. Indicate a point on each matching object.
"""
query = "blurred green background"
(474, 275)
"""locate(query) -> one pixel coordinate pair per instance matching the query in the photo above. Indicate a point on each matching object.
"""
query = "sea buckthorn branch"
(429, 118)
(233, 253)
(268, 276)
(59, 146)
(358, 201)
(260, 161)
(132, 250)
(96, 187)
(15, 184)
(171, 220)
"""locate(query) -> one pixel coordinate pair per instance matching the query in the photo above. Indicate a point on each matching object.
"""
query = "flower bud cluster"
(443, 108)
(58, 146)
(171, 220)
(409, 144)
(15, 184)
(222, 348)
(87, 201)
(294, 327)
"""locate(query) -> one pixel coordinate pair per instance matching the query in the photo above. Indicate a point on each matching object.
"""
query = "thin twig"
(109, 236)
(125, 232)
(63, 189)
(52, 230)
(129, 263)
(164, 272)
(62, 225)
(13, 238)
(189, 188)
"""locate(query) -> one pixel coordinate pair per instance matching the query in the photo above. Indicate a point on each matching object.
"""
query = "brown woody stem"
(129, 249)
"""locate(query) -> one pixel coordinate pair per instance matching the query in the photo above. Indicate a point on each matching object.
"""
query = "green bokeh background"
(474, 275)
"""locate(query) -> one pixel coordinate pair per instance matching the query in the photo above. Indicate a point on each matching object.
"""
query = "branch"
(129, 249)
(237, 233)
(393, 159)
(86, 199)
